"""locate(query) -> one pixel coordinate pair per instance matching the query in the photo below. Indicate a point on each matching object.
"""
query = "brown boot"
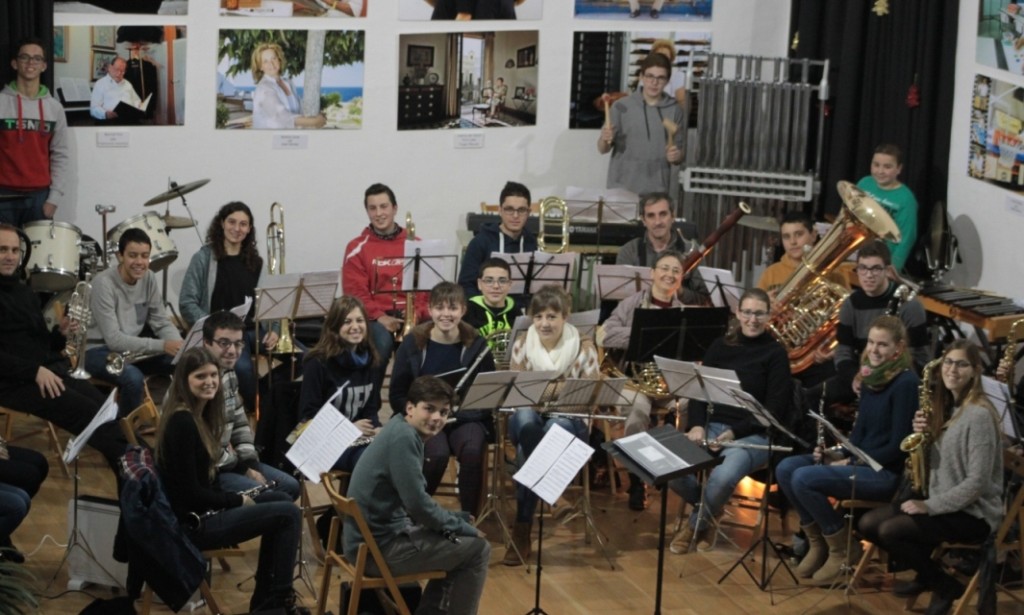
(838, 557)
(682, 540)
(521, 541)
(817, 552)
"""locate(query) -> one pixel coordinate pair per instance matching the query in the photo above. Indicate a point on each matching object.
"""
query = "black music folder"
(661, 454)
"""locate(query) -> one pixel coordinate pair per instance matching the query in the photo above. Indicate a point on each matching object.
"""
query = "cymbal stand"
(536, 610)
(495, 503)
(103, 210)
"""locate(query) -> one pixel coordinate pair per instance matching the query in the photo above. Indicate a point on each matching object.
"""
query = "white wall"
(321, 187)
(989, 233)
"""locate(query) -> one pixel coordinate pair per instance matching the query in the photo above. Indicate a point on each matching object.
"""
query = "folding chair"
(386, 584)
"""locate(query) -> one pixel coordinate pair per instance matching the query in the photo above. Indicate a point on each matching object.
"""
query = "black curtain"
(26, 19)
(874, 61)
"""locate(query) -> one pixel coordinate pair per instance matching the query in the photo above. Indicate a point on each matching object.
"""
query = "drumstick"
(606, 99)
(671, 128)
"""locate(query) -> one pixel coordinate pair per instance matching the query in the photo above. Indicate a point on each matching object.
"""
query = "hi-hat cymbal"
(761, 223)
(178, 221)
(175, 192)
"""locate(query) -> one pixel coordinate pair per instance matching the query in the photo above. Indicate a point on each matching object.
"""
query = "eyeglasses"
(956, 364)
(873, 270)
(495, 281)
(669, 269)
(655, 78)
(516, 211)
(224, 344)
(27, 59)
(756, 314)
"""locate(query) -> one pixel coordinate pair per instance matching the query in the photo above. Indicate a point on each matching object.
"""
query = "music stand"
(426, 263)
(724, 291)
(998, 394)
(618, 282)
(533, 270)
(655, 332)
(294, 296)
(637, 452)
(772, 426)
(702, 326)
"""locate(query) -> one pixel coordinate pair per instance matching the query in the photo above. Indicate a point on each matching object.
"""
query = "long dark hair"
(209, 417)
(331, 344)
(732, 336)
(215, 236)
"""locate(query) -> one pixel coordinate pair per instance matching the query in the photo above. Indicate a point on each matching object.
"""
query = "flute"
(754, 447)
(194, 521)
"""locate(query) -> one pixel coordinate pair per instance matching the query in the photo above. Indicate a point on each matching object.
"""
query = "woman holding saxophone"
(888, 401)
(964, 478)
(221, 275)
(188, 445)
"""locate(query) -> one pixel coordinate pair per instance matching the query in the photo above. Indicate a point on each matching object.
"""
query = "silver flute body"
(571, 415)
(753, 447)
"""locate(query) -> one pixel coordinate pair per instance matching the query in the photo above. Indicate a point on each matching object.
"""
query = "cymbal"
(178, 221)
(761, 223)
(175, 192)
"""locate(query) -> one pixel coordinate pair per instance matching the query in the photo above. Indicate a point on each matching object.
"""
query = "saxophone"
(78, 312)
(918, 445)
(1010, 352)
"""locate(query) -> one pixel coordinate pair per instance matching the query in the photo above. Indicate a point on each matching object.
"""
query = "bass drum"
(90, 258)
(53, 264)
(163, 251)
(55, 308)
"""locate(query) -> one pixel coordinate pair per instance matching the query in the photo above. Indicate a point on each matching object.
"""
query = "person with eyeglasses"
(666, 278)
(661, 236)
(888, 400)
(642, 157)
(35, 156)
(239, 467)
(509, 236)
(859, 310)
(964, 504)
(493, 310)
(762, 366)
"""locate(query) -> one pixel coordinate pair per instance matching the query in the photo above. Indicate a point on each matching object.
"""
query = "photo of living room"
(467, 80)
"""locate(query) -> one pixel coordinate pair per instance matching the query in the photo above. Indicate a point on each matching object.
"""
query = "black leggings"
(468, 442)
(912, 538)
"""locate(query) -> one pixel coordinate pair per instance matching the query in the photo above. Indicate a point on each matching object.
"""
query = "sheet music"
(613, 392)
(653, 455)
(488, 390)
(719, 280)
(528, 389)
(576, 392)
(323, 440)
(618, 282)
(106, 413)
(318, 291)
(436, 264)
(999, 394)
(195, 334)
(275, 300)
(547, 269)
(845, 442)
(585, 322)
(553, 464)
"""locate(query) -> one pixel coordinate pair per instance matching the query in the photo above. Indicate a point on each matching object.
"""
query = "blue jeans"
(383, 341)
(286, 483)
(809, 486)
(26, 209)
(738, 463)
(130, 383)
(526, 428)
(278, 526)
(14, 505)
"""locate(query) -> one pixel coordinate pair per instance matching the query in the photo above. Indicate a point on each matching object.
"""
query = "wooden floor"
(577, 578)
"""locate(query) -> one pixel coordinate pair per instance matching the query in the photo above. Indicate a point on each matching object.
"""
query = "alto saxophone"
(1010, 353)
(918, 445)
(78, 312)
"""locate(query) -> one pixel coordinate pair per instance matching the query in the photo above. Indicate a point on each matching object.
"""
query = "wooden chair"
(386, 584)
(311, 510)
(145, 414)
(8, 415)
(872, 549)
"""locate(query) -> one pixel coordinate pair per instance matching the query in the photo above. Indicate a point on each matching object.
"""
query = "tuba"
(917, 446)
(78, 312)
(806, 310)
(275, 266)
(553, 213)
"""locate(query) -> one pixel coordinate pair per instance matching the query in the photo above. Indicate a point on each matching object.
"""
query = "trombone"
(275, 266)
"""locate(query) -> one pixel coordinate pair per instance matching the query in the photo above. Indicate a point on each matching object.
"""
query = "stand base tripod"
(536, 610)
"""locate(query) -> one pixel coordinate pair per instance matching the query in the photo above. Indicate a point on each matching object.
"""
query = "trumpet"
(78, 312)
(194, 521)
(117, 360)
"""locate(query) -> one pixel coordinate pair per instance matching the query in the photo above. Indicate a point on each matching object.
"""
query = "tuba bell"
(554, 214)
(275, 266)
(805, 313)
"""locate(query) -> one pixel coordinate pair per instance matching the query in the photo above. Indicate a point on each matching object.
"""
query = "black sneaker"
(655, 13)
(638, 498)
(634, 14)
(908, 589)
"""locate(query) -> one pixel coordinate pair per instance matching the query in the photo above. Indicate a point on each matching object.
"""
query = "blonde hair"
(257, 72)
(667, 45)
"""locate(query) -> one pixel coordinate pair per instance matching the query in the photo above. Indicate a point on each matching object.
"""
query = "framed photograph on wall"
(60, 44)
(527, 57)
(103, 37)
(100, 60)
(419, 55)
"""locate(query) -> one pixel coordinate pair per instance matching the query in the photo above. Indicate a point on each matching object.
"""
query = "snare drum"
(53, 264)
(163, 251)
(56, 308)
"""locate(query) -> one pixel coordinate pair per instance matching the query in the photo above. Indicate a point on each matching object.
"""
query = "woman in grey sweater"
(964, 501)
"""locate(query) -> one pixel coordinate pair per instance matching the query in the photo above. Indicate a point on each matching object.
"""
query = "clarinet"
(821, 426)
(194, 521)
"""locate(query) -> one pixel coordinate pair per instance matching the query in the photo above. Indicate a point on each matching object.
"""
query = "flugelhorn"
(275, 266)
(78, 313)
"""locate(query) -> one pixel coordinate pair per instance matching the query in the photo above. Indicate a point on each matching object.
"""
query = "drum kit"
(60, 255)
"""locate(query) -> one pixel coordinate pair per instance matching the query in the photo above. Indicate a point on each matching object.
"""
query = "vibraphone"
(990, 314)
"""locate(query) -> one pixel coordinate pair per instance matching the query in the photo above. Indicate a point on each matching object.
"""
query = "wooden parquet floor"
(577, 579)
